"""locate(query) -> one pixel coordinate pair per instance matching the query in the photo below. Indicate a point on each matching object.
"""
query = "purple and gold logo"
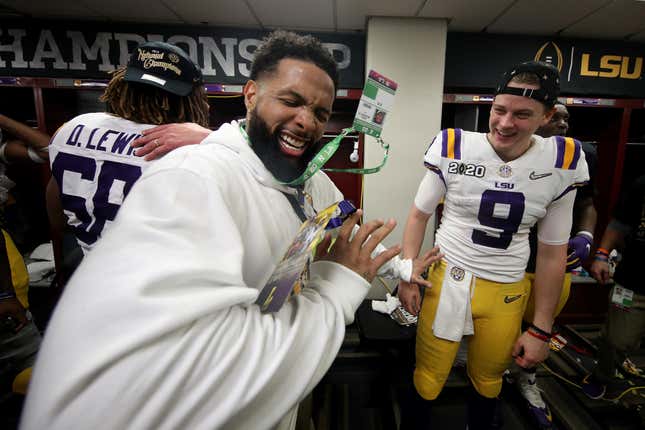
(457, 273)
(505, 171)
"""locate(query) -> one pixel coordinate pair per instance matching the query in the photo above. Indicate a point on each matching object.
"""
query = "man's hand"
(529, 351)
(408, 292)
(421, 264)
(355, 252)
(410, 297)
(600, 270)
(578, 249)
(162, 139)
(10, 307)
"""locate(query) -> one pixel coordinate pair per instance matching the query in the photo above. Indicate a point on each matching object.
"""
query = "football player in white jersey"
(93, 163)
(495, 186)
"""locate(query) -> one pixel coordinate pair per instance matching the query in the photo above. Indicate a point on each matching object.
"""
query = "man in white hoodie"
(158, 327)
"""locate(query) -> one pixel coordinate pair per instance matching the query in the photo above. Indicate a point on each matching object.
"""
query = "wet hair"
(146, 104)
(281, 44)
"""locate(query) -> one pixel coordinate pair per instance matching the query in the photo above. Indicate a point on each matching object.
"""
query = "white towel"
(387, 306)
(454, 317)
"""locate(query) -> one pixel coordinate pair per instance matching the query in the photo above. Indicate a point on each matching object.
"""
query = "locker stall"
(634, 164)
(25, 214)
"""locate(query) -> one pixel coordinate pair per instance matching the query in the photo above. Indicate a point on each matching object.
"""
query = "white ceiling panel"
(311, 14)
(465, 15)
(602, 19)
(617, 20)
(352, 14)
(128, 10)
(545, 17)
(214, 12)
(52, 9)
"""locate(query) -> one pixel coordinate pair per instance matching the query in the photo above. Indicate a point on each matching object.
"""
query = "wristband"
(538, 330)
(601, 257)
(602, 251)
(544, 339)
(405, 269)
(585, 233)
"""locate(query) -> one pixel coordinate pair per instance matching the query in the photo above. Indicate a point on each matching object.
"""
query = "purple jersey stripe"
(457, 144)
(560, 148)
(436, 170)
(576, 155)
(444, 143)
(571, 188)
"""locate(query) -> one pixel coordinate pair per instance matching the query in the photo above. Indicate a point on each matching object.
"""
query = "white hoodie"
(157, 329)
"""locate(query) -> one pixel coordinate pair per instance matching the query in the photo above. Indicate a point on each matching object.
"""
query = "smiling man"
(158, 327)
(495, 186)
(287, 150)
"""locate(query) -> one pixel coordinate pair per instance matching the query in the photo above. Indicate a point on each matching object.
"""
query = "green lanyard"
(325, 153)
(368, 171)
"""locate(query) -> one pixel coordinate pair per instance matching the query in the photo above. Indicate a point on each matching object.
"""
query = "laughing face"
(288, 110)
(513, 120)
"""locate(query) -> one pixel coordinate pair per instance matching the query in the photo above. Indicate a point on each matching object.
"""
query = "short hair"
(526, 78)
(281, 44)
(146, 104)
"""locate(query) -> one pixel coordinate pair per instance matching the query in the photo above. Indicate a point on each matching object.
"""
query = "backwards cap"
(164, 66)
(547, 74)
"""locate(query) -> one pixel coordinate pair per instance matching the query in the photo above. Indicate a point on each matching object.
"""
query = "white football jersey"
(490, 205)
(95, 167)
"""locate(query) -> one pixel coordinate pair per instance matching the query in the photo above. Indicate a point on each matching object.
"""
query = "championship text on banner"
(83, 50)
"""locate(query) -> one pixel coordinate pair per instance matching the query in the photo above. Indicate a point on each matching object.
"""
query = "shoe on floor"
(537, 407)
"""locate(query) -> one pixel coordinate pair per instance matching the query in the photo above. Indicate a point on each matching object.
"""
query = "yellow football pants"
(497, 311)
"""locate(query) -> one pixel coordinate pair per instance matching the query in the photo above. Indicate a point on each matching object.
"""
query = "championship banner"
(607, 68)
(89, 50)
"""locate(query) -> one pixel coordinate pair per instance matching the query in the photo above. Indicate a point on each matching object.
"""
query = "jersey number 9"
(508, 224)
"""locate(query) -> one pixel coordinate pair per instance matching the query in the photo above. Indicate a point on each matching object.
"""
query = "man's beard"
(267, 147)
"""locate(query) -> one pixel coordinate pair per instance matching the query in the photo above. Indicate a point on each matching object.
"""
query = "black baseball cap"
(549, 82)
(164, 66)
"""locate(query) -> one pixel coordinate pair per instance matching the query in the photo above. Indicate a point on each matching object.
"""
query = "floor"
(366, 386)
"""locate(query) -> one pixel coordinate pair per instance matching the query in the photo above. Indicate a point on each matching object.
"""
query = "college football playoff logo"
(550, 53)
